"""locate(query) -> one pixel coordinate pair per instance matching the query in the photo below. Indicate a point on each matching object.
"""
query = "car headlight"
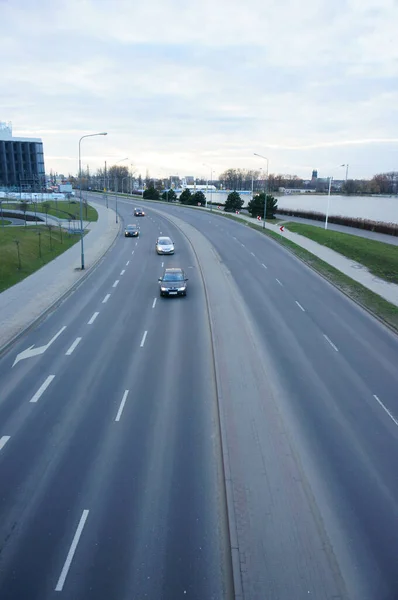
(181, 289)
(163, 289)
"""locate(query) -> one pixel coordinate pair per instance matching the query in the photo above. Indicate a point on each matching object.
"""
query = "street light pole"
(123, 180)
(116, 189)
(328, 205)
(265, 187)
(81, 200)
(207, 186)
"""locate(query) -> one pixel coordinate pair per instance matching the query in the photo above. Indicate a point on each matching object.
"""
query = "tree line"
(119, 178)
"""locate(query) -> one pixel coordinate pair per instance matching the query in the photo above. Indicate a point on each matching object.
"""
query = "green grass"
(28, 239)
(374, 303)
(4, 222)
(381, 259)
(63, 209)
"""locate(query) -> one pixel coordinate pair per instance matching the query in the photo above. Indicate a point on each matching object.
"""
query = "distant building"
(314, 175)
(21, 160)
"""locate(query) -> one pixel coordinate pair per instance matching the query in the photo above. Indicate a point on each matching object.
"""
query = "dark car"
(173, 283)
(138, 212)
(131, 231)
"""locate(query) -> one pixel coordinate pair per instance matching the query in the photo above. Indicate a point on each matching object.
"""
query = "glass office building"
(21, 161)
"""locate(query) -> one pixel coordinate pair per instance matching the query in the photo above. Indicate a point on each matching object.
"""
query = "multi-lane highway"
(111, 481)
(111, 466)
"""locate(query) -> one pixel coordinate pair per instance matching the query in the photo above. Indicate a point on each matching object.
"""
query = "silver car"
(164, 245)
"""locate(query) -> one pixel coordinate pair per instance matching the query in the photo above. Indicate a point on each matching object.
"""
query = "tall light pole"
(116, 163)
(123, 180)
(81, 202)
(265, 187)
(211, 189)
(328, 205)
(346, 171)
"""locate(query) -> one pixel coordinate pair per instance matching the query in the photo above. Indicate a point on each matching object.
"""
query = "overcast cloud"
(178, 83)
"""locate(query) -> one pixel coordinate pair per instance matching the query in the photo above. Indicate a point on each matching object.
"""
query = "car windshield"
(164, 242)
(173, 277)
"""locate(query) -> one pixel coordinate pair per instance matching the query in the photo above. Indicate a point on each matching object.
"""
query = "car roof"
(164, 237)
(132, 225)
(174, 270)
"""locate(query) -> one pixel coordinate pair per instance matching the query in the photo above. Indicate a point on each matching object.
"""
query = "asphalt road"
(334, 372)
(111, 480)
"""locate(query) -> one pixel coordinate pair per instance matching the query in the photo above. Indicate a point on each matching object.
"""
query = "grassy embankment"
(381, 259)
(34, 250)
(63, 209)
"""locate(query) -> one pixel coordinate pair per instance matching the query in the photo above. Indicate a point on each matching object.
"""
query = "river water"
(375, 208)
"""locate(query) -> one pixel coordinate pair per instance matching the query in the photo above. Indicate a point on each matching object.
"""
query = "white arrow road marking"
(31, 351)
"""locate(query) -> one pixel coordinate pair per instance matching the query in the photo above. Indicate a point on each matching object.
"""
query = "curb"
(62, 298)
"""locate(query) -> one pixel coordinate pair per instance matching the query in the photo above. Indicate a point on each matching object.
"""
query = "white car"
(164, 245)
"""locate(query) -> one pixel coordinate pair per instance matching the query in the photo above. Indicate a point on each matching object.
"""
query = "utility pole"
(105, 188)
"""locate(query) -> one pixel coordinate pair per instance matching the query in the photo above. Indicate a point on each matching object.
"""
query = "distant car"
(138, 212)
(164, 245)
(173, 283)
(131, 231)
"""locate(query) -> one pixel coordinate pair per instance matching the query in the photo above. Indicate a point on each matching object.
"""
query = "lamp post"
(123, 180)
(211, 189)
(81, 201)
(346, 171)
(265, 187)
(116, 190)
(328, 205)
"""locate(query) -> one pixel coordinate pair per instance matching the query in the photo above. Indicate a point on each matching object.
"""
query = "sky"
(187, 87)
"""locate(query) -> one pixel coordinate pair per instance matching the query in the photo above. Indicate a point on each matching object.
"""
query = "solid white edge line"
(3, 440)
(106, 298)
(116, 283)
(122, 272)
(123, 402)
(280, 283)
(73, 346)
(299, 305)
(143, 339)
(72, 551)
(386, 409)
(330, 342)
(154, 303)
(263, 265)
(42, 388)
(91, 321)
